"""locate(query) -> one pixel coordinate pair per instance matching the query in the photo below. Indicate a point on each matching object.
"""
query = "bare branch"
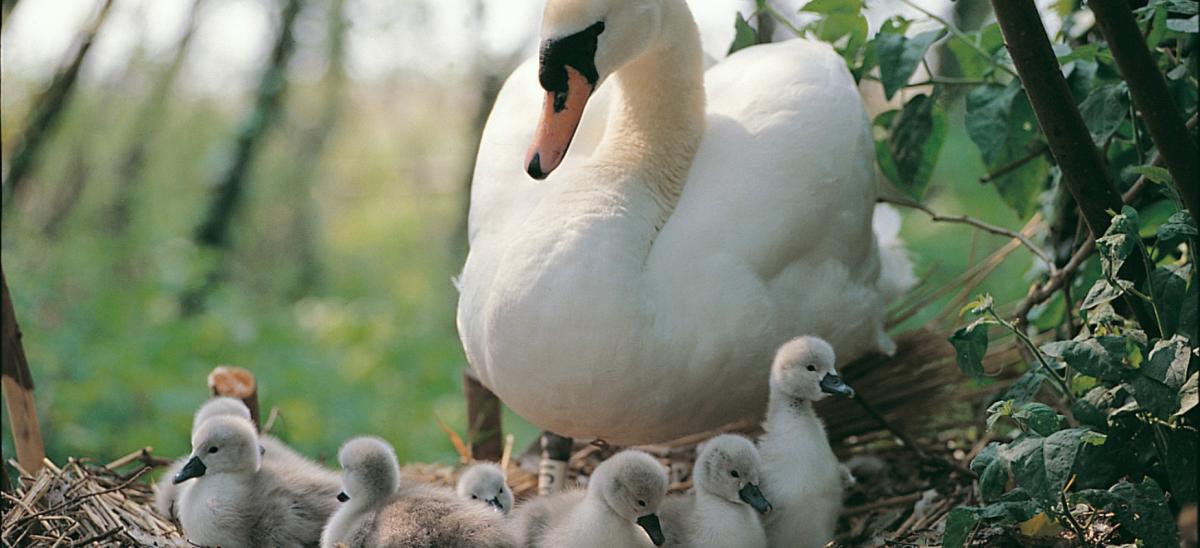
(971, 221)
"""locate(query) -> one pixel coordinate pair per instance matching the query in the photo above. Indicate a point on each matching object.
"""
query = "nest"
(86, 504)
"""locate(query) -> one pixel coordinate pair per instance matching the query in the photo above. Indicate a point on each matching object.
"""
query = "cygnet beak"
(832, 384)
(495, 502)
(650, 523)
(343, 497)
(750, 494)
(193, 469)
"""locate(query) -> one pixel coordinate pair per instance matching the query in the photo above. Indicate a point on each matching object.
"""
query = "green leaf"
(744, 35)
(830, 7)
(1092, 409)
(1100, 357)
(993, 476)
(914, 140)
(1118, 241)
(1059, 450)
(1104, 292)
(1141, 508)
(1001, 123)
(970, 61)
(1104, 110)
(1025, 388)
(1156, 174)
(1040, 417)
(1028, 466)
(1169, 289)
(1094, 439)
(1178, 227)
(1182, 452)
(970, 345)
(959, 523)
(1168, 362)
(987, 118)
(899, 57)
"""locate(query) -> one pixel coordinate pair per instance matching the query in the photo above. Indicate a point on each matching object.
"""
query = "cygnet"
(724, 507)
(485, 482)
(801, 476)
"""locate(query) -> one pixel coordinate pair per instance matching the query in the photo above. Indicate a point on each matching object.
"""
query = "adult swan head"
(688, 224)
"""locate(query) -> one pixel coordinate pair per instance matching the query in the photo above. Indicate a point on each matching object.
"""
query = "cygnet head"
(729, 466)
(485, 482)
(222, 445)
(220, 406)
(803, 370)
(633, 484)
(583, 43)
(370, 470)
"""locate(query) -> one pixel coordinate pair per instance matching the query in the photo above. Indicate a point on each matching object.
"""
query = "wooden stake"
(236, 382)
(552, 469)
(484, 433)
(18, 391)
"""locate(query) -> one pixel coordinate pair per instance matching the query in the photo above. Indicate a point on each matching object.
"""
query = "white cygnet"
(485, 482)
(235, 501)
(618, 508)
(724, 507)
(275, 454)
(801, 476)
(379, 511)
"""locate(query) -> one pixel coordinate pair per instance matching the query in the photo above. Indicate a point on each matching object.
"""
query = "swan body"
(701, 219)
(801, 476)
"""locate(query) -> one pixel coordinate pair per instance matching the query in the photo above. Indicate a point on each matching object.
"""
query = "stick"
(18, 391)
(484, 433)
(236, 382)
(971, 221)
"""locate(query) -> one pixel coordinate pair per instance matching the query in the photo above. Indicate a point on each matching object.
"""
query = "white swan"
(638, 293)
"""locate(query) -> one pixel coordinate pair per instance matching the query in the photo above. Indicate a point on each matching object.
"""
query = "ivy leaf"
(987, 119)
(993, 476)
(744, 35)
(899, 57)
(970, 61)
(1001, 123)
(1118, 241)
(1189, 394)
(959, 523)
(1104, 110)
(1100, 357)
(1092, 409)
(1178, 227)
(909, 153)
(1027, 463)
(970, 345)
(1104, 292)
(841, 19)
(1182, 445)
(1156, 388)
(1141, 508)
(1040, 417)
(1059, 450)
(1025, 388)
(1168, 289)
(1156, 174)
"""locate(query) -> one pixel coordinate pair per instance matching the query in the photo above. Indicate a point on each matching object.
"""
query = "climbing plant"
(1102, 416)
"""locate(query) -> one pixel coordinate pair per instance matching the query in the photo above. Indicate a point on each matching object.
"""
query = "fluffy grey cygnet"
(379, 511)
(276, 454)
(485, 482)
(801, 476)
(724, 507)
(618, 508)
(235, 501)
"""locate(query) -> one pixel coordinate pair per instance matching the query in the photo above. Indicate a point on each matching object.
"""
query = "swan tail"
(895, 269)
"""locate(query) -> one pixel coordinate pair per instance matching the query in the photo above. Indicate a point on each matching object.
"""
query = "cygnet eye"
(474, 497)
(812, 367)
(213, 449)
(642, 503)
(734, 473)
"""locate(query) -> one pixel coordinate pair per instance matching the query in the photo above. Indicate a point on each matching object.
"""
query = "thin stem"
(1015, 164)
(957, 33)
(1079, 531)
(780, 18)
(1037, 353)
(971, 221)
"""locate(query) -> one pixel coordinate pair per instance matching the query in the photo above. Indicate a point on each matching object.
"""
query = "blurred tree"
(148, 118)
(46, 112)
(311, 144)
(213, 232)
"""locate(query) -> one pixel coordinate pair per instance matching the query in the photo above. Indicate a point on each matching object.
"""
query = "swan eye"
(733, 473)
(642, 503)
(213, 449)
(812, 367)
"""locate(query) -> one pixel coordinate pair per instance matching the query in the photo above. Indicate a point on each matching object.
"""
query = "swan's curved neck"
(658, 118)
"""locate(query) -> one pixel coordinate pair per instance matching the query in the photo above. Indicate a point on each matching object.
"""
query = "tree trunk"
(1070, 143)
(18, 390)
